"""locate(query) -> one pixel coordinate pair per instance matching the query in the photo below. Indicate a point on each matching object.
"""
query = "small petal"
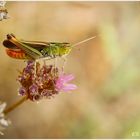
(67, 78)
(69, 87)
(62, 85)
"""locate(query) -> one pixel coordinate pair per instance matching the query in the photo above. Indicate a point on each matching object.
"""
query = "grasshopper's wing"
(36, 44)
(41, 45)
(8, 44)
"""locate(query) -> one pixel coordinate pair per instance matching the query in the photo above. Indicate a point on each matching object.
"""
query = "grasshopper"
(22, 49)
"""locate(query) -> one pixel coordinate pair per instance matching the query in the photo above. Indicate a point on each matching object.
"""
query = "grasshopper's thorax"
(64, 49)
(56, 49)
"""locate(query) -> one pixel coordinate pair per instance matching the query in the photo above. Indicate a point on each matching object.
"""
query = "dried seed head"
(3, 11)
(2, 3)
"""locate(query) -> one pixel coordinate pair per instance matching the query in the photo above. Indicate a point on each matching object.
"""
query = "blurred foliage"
(106, 103)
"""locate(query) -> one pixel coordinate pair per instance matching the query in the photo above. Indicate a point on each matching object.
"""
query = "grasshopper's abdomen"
(16, 54)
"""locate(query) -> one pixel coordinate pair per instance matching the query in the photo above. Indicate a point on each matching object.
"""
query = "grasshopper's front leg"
(31, 52)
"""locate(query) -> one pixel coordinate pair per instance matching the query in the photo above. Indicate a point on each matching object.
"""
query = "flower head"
(39, 82)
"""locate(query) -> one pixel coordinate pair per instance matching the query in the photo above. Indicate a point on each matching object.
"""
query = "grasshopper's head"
(65, 49)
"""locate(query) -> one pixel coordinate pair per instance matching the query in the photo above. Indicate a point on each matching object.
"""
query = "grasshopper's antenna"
(81, 42)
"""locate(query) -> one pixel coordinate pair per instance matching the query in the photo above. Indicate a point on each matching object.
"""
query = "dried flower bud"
(22, 91)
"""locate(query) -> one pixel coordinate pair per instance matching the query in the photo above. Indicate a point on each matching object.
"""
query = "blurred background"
(107, 70)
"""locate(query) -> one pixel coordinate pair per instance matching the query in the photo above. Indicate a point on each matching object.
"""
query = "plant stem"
(6, 111)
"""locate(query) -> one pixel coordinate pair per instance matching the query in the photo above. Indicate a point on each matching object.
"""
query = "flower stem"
(8, 110)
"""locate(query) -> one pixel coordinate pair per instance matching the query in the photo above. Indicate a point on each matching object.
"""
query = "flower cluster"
(43, 81)
(3, 122)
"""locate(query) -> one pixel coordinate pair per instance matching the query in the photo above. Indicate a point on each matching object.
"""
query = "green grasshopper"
(22, 49)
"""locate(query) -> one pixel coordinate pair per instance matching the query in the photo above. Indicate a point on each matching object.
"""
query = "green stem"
(14, 106)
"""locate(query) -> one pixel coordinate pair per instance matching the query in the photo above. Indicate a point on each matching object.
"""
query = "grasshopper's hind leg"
(64, 63)
(55, 65)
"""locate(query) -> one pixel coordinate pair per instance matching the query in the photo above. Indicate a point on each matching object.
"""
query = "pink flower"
(63, 85)
(43, 81)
